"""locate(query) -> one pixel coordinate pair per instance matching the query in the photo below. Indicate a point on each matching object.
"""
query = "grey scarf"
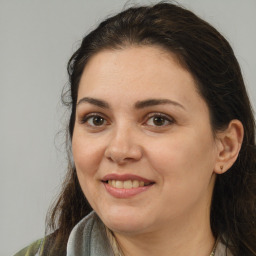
(88, 238)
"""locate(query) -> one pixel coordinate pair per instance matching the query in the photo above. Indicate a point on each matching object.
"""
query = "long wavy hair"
(206, 54)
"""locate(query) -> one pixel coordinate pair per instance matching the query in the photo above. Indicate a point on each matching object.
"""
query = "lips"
(125, 177)
(126, 185)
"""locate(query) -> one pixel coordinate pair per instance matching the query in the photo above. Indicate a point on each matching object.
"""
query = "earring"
(221, 167)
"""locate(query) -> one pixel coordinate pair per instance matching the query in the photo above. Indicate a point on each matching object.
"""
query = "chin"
(123, 220)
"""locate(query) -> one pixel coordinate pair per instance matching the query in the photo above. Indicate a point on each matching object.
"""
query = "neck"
(185, 241)
(186, 235)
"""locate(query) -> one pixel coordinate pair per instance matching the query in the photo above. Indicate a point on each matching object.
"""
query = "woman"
(162, 139)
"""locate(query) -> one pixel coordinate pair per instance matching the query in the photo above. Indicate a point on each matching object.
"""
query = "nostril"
(122, 153)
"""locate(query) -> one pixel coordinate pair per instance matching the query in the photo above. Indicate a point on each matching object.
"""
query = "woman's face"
(142, 143)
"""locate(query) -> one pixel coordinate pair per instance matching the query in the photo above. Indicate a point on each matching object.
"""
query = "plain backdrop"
(36, 40)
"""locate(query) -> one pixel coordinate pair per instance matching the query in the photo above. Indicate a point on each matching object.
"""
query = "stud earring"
(221, 167)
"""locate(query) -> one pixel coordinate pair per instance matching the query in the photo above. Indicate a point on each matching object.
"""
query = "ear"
(229, 144)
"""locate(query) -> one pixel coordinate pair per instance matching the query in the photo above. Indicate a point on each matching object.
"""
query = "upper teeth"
(127, 183)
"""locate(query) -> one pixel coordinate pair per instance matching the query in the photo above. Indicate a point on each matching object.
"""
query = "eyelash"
(86, 118)
(166, 118)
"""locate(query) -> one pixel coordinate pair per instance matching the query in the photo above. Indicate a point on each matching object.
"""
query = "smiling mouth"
(128, 184)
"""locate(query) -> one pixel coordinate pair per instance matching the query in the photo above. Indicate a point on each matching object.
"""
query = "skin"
(181, 155)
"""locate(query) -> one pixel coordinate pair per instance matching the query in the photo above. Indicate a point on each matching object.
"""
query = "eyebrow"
(155, 102)
(93, 101)
(138, 104)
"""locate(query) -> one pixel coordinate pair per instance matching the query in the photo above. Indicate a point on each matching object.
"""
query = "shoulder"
(31, 250)
(88, 232)
(41, 247)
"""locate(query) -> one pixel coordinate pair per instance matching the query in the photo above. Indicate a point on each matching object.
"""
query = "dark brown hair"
(206, 54)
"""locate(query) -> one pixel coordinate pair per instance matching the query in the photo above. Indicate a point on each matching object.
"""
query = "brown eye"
(159, 120)
(94, 120)
(98, 120)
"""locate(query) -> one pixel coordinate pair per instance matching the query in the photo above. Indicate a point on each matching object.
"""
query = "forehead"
(135, 73)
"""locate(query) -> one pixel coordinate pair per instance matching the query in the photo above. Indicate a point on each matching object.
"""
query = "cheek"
(184, 169)
(87, 155)
(184, 157)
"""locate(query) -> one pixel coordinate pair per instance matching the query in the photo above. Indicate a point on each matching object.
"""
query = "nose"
(123, 147)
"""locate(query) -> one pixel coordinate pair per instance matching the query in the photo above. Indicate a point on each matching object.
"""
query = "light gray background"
(36, 40)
